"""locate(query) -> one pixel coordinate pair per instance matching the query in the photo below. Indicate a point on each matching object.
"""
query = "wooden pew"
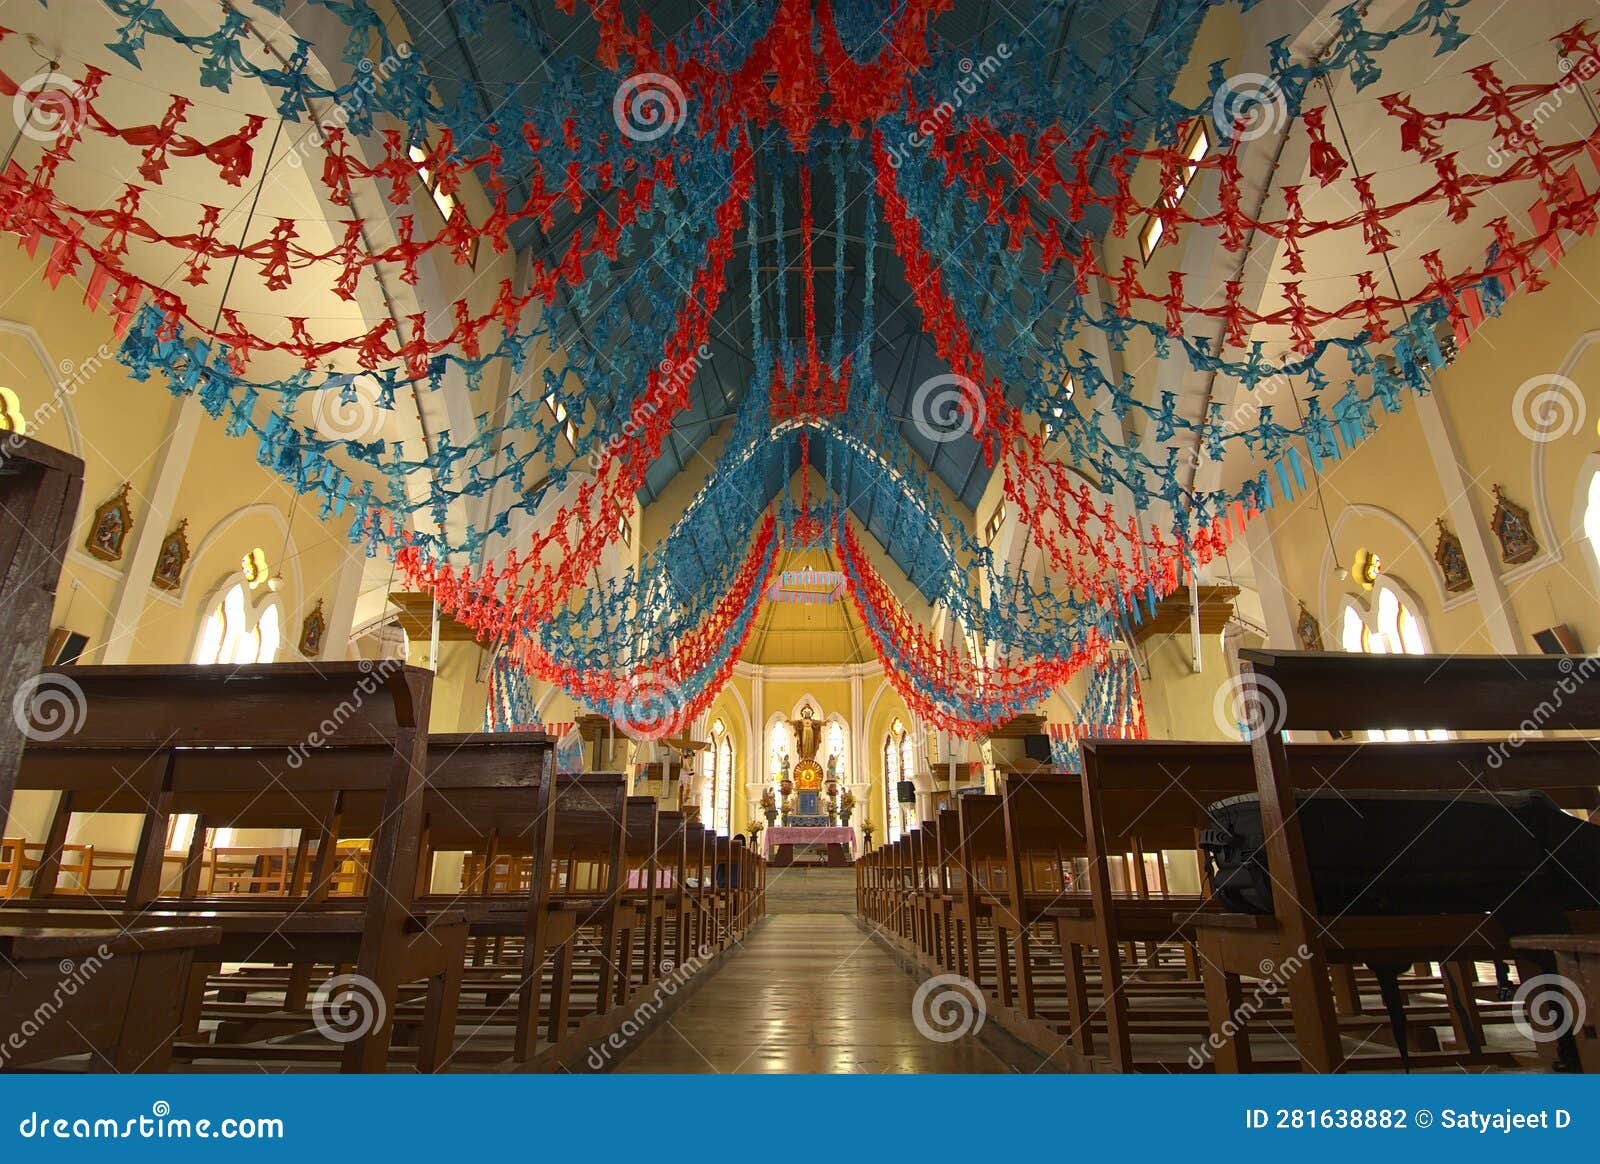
(586, 896)
(490, 794)
(231, 745)
(1326, 691)
(116, 995)
(1578, 961)
(982, 904)
(672, 864)
(39, 491)
(644, 908)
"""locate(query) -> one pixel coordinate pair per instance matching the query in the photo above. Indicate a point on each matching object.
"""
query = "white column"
(1468, 524)
(1267, 571)
(153, 516)
(342, 606)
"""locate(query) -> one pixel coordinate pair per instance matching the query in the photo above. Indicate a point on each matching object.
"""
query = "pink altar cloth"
(810, 835)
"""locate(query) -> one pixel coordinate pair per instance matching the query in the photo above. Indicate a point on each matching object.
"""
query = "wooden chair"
(253, 747)
(1325, 691)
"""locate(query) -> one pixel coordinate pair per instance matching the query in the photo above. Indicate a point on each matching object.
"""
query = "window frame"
(1153, 229)
(445, 203)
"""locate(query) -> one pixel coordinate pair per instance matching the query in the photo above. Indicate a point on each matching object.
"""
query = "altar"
(785, 842)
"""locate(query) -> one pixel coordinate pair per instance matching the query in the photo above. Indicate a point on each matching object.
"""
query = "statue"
(833, 765)
(783, 764)
(806, 734)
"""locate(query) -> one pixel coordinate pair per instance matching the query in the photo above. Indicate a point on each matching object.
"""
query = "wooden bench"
(116, 995)
(39, 491)
(288, 746)
(1325, 691)
(1578, 961)
(586, 897)
(489, 795)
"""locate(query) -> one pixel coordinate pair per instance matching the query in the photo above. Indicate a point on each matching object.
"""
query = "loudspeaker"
(1036, 747)
(64, 647)
(906, 792)
(1558, 640)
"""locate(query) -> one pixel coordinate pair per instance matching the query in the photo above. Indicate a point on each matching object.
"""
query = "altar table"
(809, 836)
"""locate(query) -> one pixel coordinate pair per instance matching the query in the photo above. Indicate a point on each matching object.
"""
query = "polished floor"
(808, 993)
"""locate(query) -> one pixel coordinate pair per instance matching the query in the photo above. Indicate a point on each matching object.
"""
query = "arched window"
(836, 751)
(898, 764)
(1591, 516)
(241, 628)
(1388, 626)
(718, 797)
(780, 743)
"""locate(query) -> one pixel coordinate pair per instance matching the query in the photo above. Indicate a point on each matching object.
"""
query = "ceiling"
(509, 53)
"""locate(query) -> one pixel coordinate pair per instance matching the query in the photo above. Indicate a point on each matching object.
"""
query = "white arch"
(1553, 545)
(1361, 509)
(1580, 506)
(287, 562)
(64, 389)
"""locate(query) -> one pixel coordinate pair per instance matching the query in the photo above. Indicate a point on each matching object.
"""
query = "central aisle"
(808, 992)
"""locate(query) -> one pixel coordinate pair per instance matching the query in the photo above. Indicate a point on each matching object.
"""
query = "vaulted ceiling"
(494, 62)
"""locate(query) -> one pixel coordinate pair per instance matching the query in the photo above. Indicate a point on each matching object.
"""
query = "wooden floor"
(808, 992)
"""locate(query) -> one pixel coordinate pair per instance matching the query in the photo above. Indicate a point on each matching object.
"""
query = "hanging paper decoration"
(677, 169)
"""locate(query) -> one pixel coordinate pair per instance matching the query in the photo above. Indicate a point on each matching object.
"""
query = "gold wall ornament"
(311, 632)
(171, 559)
(1512, 529)
(1308, 630)
(1452, 560)
(112, 523)
(1365, 567)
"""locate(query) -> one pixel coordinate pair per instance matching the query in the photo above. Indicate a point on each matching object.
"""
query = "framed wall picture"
(1308, 630)
(1512, 529)
(1452, 560)
(173, 557)
(113, 521)
(312, 631)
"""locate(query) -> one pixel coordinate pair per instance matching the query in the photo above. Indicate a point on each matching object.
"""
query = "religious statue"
(783, 763)
(807, 734)
(808, 776)
(833, 765)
